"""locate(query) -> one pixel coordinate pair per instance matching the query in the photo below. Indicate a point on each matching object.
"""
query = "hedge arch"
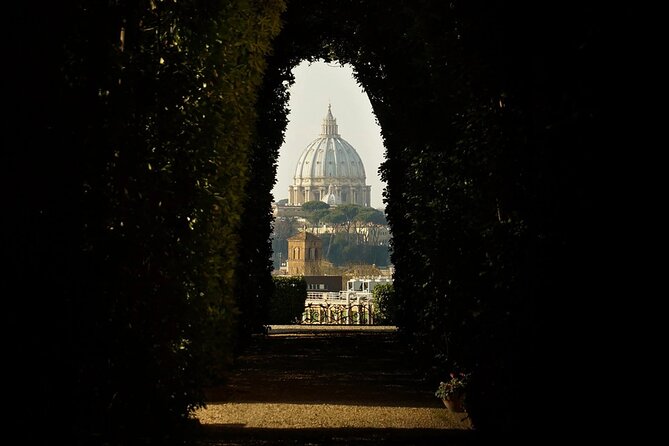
(431, 93)
(141, 250)
(477, 107)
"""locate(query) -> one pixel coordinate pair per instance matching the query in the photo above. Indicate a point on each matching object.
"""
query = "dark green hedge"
(385, 302)
(134, 127)
(287, 303)
(489, 112)
(140, 151)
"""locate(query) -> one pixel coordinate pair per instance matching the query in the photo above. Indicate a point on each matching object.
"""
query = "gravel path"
(328, 385)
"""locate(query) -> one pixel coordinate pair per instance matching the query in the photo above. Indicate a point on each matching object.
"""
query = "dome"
(329, 159)
(330, 170)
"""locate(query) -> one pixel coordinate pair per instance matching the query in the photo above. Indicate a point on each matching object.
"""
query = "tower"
(305, 251)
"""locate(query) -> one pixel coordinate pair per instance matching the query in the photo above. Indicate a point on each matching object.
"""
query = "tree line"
(357, 234)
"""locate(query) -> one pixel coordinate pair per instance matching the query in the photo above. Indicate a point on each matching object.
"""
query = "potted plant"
(453, 391)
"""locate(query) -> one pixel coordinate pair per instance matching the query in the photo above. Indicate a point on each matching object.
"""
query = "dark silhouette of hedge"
(134, 129)
(385, 301)
(140, 151)
(287, 302)
(491, 117)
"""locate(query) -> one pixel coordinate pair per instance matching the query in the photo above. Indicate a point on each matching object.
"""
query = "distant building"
(366, 284)
(329, 170)
(324, 284)
(305, 252)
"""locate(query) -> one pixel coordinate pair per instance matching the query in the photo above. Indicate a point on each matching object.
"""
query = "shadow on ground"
(344, 367)
(358, 368)
(230, 435)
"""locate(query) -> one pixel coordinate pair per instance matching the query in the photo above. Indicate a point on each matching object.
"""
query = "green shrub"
(385, 305)
(287, 303)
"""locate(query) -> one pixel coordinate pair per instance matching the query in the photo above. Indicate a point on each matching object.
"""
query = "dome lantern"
(329, 126)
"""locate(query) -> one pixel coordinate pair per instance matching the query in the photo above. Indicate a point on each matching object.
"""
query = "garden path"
(331, 385)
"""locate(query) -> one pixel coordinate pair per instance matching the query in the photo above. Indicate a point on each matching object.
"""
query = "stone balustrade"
(342, 308)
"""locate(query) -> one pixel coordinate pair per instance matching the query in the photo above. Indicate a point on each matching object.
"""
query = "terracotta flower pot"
(455, 404)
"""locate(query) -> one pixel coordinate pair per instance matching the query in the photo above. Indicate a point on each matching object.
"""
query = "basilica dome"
(329, 168)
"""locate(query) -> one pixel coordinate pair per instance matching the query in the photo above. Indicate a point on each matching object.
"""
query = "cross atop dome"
(329, 126)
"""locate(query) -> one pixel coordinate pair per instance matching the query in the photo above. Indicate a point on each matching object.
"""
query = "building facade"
(330, 170)
(305, 252)
(324, 284)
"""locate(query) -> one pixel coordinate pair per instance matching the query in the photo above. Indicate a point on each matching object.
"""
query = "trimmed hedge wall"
(287, 303)
(135, 123)
(140, 152)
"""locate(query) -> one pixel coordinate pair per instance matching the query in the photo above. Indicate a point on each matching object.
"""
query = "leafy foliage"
(385, 304)
(282, 229)
(287, 303)
(311, 206)
(455, 387)
(340, 249)
(266, 115)
(486, 119)
(154, 107)
(356, 236)
(142, 146)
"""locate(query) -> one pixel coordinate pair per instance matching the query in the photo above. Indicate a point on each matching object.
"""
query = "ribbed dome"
(329, 158)
(330, 170)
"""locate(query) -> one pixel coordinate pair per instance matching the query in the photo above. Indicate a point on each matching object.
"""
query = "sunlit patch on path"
(299, 416)
(334, 380)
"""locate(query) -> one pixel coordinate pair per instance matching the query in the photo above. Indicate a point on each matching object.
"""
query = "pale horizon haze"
(317, 85)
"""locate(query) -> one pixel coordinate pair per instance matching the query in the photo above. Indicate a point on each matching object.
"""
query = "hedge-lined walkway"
(328, 385)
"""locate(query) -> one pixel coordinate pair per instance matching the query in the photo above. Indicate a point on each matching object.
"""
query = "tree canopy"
(311, 206)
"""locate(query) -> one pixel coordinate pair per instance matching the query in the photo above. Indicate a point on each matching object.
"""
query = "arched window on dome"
(296, 253)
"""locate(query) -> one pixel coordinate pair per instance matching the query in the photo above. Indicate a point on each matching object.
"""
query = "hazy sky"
(316, 85)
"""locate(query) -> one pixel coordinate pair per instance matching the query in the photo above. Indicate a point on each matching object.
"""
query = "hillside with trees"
(356, 234)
